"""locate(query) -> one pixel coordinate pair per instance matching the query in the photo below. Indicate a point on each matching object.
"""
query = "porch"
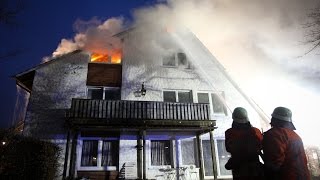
(142, 120)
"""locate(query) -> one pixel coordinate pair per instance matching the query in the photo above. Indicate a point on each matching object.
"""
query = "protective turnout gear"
(240, 115)
(284, 155)
(244, 143)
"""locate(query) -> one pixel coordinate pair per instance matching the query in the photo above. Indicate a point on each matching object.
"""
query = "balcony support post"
(66, 156)
(140, 154)
(144, 155)
(201, 162)
(213, 153)
(73, 156)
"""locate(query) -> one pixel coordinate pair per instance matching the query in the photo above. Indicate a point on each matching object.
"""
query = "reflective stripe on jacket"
(284, 155)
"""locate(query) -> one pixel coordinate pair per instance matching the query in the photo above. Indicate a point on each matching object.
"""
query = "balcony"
(139, 113)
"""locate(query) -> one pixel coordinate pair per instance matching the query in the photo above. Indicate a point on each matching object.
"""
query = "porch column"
(73, 156)
(144, 155)
(201, 163)
(66, 156)
(213, 153)
(140, 155)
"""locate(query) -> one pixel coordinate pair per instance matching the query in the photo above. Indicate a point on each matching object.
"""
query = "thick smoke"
(94, 36)
(261, 43)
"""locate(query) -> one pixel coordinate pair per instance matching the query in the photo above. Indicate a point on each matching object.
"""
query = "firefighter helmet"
(240, 115)
(282, 113)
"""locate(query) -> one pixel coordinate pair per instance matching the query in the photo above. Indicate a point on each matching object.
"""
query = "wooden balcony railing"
(144, 110)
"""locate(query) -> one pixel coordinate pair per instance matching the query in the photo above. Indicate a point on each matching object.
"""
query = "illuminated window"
(89, 154)
(99, 153)
(160, 152)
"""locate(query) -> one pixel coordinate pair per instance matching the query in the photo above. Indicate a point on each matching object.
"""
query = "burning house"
(156, 108)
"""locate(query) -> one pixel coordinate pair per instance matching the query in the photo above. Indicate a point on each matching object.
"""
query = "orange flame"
(113, 58)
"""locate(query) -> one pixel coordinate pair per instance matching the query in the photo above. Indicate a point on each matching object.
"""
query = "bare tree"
(313, 28)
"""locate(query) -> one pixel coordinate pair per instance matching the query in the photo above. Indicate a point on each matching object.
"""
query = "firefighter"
(244, 144)
(284, 156)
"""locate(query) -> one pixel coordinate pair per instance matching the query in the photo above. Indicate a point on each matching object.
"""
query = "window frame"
(99, 155)
(177, 94)
(210, 93)
(170, 153)
(176, 59)
(218, 161)
(104, 89)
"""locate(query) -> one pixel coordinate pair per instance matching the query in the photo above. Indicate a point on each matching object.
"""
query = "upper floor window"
(176, 60)
(177, 96)
(106, 93)
(215, 100)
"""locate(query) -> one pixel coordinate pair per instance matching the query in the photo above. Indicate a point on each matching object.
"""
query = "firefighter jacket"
(284, 155)
(244, 143)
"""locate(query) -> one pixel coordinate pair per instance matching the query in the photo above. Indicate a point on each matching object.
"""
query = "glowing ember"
(113, 58)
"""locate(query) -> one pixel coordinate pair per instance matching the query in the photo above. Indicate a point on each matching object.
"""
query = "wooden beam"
(73, 157)
(213, 152)
(200, 155)
(140, 154)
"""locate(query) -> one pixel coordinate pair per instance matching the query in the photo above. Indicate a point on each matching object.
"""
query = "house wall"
(206, 74)
(55, 84)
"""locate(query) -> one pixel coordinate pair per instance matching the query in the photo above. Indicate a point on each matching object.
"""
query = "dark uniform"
(244, 143)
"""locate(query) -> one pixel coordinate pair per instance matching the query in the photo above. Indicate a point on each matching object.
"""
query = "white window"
(178, 59)
(222, 158)
(177, 96)
(215, 100)
(98, 154)
(160, 152)
(107, 93)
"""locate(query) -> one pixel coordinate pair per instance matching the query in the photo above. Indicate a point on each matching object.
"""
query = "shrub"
(27, 158)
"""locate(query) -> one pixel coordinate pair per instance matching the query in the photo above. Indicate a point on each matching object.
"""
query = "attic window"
(176, 60)
(112, 57)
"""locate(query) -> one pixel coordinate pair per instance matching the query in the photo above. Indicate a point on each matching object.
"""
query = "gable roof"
(25, 78)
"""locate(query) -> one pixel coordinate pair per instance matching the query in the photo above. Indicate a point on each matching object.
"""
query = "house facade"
(156, 111)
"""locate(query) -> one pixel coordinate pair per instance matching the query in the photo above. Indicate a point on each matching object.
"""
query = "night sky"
(38, 30)
(261, 44)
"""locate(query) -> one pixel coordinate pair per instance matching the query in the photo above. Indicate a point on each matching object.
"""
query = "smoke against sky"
(94, 36)
(259, 42)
